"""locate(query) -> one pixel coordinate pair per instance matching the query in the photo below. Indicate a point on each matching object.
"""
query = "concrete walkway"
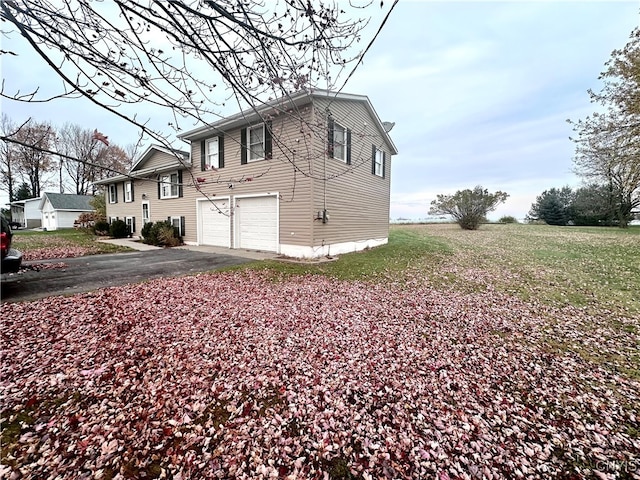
(236, 252)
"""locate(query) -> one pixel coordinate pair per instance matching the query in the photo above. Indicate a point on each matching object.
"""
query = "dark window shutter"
(221, 151)
(133, 224)
(384, 163)
(373, 159)
(243, 146)
(348, 147)
(268, 142)
(203, 154)
(182, 222)
(115, 189)
(132, 197)
(159, 185)
(180, 183)
(331, 125)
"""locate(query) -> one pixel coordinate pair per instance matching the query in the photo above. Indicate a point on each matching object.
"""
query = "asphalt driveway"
(88, 273)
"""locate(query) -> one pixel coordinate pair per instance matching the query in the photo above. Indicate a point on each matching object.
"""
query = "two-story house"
(304, 176)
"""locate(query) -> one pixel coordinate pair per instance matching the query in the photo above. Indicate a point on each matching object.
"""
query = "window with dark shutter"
(384, 163)
(377, 161)
(221, 151)
(203, 147)
(268, 141)
(330, 125)
(373, 159)
(243, 146)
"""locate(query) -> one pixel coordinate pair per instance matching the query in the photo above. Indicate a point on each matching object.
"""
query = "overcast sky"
(480, 93)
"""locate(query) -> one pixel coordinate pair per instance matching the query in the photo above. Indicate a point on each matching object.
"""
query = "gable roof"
(282, 105)
(152, 149)
(66, 201)
(181, 159)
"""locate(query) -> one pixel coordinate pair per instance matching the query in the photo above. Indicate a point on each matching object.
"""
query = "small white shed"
(61, 210)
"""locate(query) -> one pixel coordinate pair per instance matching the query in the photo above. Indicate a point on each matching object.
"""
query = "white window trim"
(179, 226)
(249, 149)
(129, 222)
(170, 183)
(148, 219)
(337, 127)
(379, 163)
(212, 158)
(128, 191)
(113, 193)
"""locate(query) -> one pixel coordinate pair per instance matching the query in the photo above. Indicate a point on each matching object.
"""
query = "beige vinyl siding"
(266, 176)
(158, 159)
(357, 200)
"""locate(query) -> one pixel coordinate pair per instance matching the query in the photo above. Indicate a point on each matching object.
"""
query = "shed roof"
(67, 201)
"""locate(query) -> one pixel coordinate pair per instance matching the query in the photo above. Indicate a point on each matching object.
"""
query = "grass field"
(586, 267)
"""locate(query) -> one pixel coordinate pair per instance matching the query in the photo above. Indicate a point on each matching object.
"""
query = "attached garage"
(256, 222)
(214, 222)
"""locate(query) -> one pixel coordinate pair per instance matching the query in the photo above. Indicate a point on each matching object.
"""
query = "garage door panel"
(214, 221)
(257, 223)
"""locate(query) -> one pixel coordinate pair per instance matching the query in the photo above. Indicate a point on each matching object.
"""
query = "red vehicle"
(11, 258)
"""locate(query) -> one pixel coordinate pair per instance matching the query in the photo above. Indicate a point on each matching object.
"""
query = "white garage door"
(214, 222)
(257, 223)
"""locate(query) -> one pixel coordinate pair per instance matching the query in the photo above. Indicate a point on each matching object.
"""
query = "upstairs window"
(256, 143)
(128, 191)
(113, 193)
(212, 154)
(378, 158)
(339, 142)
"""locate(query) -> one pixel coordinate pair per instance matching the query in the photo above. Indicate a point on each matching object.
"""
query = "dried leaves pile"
(237, 376)
(46, 253)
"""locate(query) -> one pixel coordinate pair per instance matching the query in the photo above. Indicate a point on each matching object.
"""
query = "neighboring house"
(305, 176)
(61, 210)
(26, 212)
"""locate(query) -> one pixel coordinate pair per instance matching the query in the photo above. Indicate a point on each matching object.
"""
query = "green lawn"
(585, 267)
(36, 244)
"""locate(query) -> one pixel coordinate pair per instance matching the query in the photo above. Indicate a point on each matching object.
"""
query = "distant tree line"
(69, 158)
(591, 205)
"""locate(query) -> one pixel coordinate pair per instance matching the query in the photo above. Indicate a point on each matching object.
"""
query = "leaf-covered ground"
(66, 243)
(236, 375)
